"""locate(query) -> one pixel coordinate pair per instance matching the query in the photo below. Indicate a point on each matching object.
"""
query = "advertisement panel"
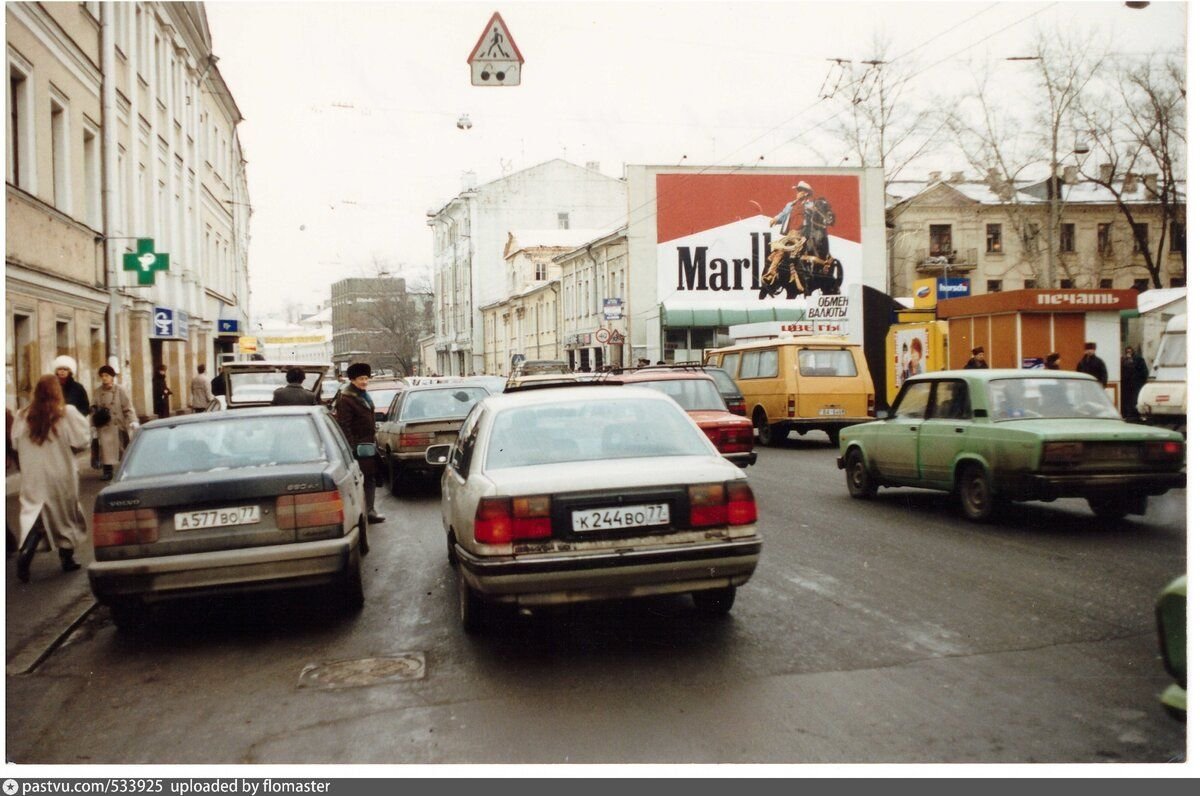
(911, 355)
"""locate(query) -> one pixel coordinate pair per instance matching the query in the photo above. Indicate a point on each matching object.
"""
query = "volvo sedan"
(592, 493)
(990, 436)
(230, 502)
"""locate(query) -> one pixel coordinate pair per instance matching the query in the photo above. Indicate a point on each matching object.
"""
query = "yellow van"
(800, 384)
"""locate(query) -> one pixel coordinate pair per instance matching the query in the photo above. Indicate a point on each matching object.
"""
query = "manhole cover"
(364, 671)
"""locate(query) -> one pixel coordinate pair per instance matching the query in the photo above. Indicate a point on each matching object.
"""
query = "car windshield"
(256, 386)
(725, 382)
(590, 430)
(453, 402)
(382, 398)
(1033, 397)
(224, 443)
(827, 362)
(691, 394)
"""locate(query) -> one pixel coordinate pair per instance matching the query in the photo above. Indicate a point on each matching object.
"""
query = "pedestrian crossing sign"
(495, 59)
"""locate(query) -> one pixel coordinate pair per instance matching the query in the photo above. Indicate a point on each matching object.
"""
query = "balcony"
(954, 262)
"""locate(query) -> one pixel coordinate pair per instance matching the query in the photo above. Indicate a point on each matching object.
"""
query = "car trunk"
(443, 431)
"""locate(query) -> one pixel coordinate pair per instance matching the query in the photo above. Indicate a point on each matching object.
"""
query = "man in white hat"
(73, 392)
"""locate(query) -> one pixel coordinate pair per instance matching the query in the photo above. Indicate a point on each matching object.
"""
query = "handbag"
(101, 417)
(364, 450)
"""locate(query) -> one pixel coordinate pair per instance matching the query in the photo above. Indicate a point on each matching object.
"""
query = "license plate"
(618, 517)
(831, 410)
(216, 518)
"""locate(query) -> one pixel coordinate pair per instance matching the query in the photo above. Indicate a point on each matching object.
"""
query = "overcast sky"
(351, 108)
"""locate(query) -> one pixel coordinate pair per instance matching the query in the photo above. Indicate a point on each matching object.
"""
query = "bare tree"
(1139, 123)
(393, 317)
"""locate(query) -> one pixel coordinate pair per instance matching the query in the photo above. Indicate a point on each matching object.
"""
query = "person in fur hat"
(355, 412)
(73, 392)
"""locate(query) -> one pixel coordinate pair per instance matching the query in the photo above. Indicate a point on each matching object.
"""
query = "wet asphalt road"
(888, 631)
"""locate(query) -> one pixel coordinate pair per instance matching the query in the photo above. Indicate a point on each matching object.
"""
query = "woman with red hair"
(46, 434)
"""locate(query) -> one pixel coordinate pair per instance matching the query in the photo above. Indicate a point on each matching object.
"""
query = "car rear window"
(436, 404)
(725, 382)
(259, 386)
(692, 394)
(1013, 399)
(590, 430)
(827, 362)
(225, 442)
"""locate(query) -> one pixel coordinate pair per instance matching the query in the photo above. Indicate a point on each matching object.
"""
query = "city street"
(872, 632)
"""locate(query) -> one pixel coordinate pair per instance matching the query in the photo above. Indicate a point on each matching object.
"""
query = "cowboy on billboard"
(800, 262)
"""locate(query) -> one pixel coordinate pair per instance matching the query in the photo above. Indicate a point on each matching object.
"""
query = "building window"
(1066, 238)
(995, 244)
(20, 131)
(1106, 284)
(564, 220)
(1030, 284)
(1066, 284)
(1178, 237)
(20, 356)
(1178, 281)
(91, 176)
(1141, 238)
(539, 270)
(62, 337)
(940, 242)
(995, 285)
(59, 156)
(1141, 285)
(1104, 239)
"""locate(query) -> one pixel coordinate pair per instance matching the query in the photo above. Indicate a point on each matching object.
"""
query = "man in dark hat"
(976, 362)
(355, 412)
(1052, 361)
(1092, 364)
(294, 394)
(1134, 375)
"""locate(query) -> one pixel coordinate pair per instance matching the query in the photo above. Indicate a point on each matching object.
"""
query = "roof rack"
(525, 386)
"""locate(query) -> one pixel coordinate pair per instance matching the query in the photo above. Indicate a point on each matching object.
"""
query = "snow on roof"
(324, 316)
(1025, 192)
(1151, 300)
(552, 238)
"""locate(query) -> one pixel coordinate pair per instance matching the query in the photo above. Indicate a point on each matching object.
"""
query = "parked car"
(697, 393)
(542, 381)
(230, 502)
(534, 367)
(990, 436)
(253, 383)
(735, 402)
(1170, 613)
(418, 418)
(1163, 399)
(592, 493)
(382, 392)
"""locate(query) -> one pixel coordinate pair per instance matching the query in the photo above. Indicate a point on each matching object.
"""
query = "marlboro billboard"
(791, 242)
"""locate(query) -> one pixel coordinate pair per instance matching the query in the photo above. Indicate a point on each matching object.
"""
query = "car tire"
(714, 602)
(470, 606)
(450, 555)
(975, 494)
(350, 590)
(1117, 507)
(396, 477)
(129, 615)
(767, 434)
(859, 481)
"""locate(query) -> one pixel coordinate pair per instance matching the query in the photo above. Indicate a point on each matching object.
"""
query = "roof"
(1025, 192)
(635, 376)
(602, 393)
(521, 239)
(1152, 300)
(241, 412)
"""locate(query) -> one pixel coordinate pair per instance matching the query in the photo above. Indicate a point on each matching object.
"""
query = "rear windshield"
(260, 386)
(227, 442)
(725, 382)
(589, 430)
(827, 362)
(692, 394)
(453, 402)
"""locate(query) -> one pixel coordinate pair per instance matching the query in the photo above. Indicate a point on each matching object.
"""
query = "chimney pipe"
(1106, 173)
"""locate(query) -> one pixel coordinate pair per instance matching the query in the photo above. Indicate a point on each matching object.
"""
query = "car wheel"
(129, 615)
(450, 556)
(350, 590)
(975, 494)
(714, 602)
(364, 545)
(859, 481)
(396, 477)
(470, 606)
(767, 434)
(1117, 507)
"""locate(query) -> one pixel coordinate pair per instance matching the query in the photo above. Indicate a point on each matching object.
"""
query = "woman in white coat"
(115, 401)
(46, 435)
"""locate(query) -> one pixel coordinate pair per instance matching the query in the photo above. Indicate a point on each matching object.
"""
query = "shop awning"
(711, 316)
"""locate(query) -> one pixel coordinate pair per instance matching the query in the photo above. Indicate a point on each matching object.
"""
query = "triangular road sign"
(495, 60)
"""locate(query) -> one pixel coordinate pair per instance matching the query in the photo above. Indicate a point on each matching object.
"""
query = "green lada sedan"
(992, 436)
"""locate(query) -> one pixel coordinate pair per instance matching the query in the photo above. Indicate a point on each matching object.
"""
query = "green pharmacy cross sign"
(146, 261)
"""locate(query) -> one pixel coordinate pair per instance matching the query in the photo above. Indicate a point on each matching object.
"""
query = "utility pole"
(108, 115)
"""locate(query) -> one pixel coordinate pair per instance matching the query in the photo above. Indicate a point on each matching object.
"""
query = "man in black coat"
(74, 393)
(977, 361)
(1092, 364)
(1134, 375)
(294, 394)
(161, 392)
(355, 413)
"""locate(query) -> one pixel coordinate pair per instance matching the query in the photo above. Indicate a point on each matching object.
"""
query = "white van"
(1163, 401)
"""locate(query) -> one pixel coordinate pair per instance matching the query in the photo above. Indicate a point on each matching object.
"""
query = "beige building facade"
(595, 295)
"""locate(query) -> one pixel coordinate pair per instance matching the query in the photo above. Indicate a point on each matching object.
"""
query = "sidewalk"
(38, 611)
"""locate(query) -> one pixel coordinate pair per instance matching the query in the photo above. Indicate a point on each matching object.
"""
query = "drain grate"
(363, 671)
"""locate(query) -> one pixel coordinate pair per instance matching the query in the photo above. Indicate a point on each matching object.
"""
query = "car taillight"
(309, 510)
(1062, 452)
(730, 503)
(111, 528)
(421, 440)
(737, 439)
(1164, 451)
(791, 406)
(500, 520)
(870, 405)
(736, 406)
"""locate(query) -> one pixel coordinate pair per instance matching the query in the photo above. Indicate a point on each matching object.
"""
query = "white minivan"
(1163, 401)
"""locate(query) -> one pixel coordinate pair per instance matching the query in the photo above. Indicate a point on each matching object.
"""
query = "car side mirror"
(437, 454)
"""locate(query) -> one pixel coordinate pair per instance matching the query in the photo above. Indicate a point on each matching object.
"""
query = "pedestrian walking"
(162, 393)
(295, 394)
(1092, 364)
(74, 393)
(355, 412)
(977, 360)
(46, 434)
(201, 392)
(114, 420)
(1052, 361)
(1134, 375)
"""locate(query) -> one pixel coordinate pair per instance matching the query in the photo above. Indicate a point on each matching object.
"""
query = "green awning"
(694, 317)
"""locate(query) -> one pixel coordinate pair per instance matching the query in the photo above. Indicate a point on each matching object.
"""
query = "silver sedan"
(591, 493)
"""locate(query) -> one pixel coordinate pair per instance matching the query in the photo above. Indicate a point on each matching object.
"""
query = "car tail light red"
(501, 520)
(309, 510)
(112, 528)
(870, 405)
(1164, 451)
(730, 503)
(736, 406)
(735, 439)
(420, 440)
(791, 406)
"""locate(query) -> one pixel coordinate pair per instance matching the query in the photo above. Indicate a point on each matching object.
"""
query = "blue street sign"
(227, 327)
(953, 287)
(169, 324)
